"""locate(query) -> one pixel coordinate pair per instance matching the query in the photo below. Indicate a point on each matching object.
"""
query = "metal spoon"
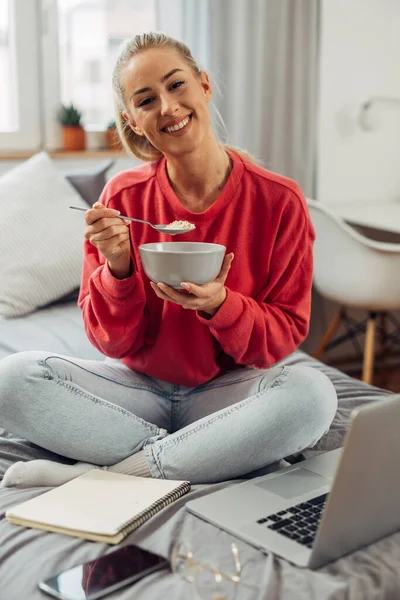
(160, 228)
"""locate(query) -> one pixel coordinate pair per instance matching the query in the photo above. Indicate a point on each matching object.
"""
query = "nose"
(169, 105)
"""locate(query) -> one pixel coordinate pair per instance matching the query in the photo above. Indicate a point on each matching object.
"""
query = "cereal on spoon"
(181, 225)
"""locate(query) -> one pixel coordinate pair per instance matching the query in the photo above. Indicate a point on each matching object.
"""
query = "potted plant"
(112, 136)
(73, 132)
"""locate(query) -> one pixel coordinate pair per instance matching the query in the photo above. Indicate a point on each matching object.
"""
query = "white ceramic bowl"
(174, 262)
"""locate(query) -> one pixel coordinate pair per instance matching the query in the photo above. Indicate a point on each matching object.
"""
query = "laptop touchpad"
(294, 483)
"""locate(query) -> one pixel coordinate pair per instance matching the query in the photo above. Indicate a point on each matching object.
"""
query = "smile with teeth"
(178, 126)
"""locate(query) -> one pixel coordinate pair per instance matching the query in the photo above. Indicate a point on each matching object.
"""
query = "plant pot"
(113, 140)
(73, 138)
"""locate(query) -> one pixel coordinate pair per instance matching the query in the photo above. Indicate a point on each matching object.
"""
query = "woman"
(188, 390)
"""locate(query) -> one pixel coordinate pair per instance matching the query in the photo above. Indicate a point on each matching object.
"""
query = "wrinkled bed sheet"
(28, 555)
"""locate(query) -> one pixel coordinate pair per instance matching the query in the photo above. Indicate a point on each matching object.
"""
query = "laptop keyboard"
(299, 522)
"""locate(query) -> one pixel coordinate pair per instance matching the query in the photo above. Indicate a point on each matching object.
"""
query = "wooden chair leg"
(368, 363)
(330, 332)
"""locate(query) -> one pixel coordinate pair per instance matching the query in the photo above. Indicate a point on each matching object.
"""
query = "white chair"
(355, 272)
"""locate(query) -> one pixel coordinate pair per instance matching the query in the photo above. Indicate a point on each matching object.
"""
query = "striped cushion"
(41, 240)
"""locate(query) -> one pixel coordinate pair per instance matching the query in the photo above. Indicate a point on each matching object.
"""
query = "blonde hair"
(134, 144)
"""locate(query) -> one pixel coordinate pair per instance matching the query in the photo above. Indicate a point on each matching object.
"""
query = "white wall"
(360, 57)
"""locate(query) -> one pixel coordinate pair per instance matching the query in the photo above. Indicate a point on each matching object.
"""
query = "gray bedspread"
(27, 555)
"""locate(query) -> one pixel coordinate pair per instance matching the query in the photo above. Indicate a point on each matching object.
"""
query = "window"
(63, 51)
(19, 76)
(8, 113)
(90, 34)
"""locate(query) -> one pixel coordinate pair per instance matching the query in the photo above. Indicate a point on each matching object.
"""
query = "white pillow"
(41, 239)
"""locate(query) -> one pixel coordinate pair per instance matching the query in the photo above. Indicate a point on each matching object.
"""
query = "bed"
(28, 555)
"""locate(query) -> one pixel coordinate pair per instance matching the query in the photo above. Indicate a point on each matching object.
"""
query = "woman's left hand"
(206, 298)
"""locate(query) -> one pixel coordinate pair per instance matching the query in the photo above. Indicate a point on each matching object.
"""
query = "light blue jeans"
(102, 412)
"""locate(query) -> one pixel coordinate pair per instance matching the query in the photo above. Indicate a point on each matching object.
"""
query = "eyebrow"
(163, 78)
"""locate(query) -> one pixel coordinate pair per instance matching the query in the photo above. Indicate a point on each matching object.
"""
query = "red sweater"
(260, 216)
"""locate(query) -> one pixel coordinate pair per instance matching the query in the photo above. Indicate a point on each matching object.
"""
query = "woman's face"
(167, 101)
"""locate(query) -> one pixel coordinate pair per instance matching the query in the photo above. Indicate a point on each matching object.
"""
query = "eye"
(176, 84)
(145, 101)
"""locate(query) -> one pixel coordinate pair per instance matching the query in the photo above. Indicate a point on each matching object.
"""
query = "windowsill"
(63, 154)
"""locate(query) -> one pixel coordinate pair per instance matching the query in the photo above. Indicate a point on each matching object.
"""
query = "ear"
(206, 85)
(132, 124)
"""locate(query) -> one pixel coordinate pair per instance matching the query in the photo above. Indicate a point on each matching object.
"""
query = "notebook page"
(97, 501)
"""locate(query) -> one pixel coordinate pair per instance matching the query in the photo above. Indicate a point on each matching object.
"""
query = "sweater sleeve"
(113, 310)
(261, 331)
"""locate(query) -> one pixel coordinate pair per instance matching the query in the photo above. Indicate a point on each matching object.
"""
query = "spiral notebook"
(99, 505)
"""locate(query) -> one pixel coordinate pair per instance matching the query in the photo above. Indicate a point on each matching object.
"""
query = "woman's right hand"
(110, 235)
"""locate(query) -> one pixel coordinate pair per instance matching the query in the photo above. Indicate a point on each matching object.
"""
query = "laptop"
(325, 507)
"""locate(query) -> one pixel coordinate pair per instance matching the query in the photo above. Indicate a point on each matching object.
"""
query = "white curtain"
(188, 21)
(262, 56)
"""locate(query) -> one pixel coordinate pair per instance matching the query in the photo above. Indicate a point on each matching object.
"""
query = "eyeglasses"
(210, 583)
